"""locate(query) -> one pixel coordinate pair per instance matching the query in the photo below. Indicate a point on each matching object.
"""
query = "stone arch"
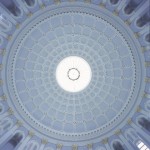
(30, 3)
(144, 122)
(117, 145)
(5, 125)
(131, 135)
(131, 6)
(32, 145)
(16, 138)
(143, 20)
(12, 7)
(114, 1)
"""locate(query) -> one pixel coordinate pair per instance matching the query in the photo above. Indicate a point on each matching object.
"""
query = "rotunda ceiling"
(74, 73)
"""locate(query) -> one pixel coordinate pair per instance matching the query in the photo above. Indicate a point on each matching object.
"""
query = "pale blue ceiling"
(113, 112)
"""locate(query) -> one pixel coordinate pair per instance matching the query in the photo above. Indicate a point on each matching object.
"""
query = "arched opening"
(131, 135)
(5, 125)
(11, 6)
(132, 5)
(147, 37)
(1, 106)
(143, 20)
(15, 140)
(147, 106)
(117, 146)
(30, 2)
(114, 1)
(4, 24)
(32, 145)
(145, 123)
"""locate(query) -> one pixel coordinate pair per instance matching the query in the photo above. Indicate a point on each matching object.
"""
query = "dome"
(75, 75)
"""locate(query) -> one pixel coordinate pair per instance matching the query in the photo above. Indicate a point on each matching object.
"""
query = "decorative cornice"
(57, 1)
(10, 111)
(59, 146)
(147, 64)
(137, 35)
(129, 121)
(2, 52)
(29, 14)
(127, 22)
(105, 141)
(89, 146)
(31, 133)
(87, 1)
(118, 132)
(102, 5)
(3, 98)
(19, 123)
(74, 147)
(44, 141)
(9, 37)
(138, 109)
(42, 6)
(147, 79)
(17, 26)
(146, 95)
(116, 13)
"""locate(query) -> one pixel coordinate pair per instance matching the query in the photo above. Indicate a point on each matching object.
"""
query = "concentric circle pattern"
(73, 102)
(40, 49)
(73, 74)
